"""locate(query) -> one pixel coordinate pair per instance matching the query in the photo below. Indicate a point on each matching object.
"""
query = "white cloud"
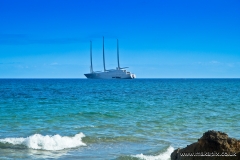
(54, 63)
(215, 62)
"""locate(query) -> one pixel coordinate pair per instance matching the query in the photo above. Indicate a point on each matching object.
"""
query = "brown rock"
(211, 146)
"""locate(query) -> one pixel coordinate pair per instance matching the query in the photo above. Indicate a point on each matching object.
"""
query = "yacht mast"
(118, 55)
(103, 57)
(91, 68)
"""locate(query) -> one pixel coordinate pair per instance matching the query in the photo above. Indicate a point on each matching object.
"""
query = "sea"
(136, 119)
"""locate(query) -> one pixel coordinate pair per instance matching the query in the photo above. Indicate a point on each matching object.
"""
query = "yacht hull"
(115, 74)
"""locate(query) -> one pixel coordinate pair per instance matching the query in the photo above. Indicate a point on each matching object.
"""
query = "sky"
(157, 38)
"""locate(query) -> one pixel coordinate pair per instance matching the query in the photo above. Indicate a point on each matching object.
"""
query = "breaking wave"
(38, 141)
(163, 156)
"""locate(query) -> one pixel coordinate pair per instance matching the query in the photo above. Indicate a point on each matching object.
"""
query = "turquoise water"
(112, 119)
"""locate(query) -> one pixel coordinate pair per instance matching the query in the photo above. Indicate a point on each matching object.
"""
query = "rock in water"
(213, 145)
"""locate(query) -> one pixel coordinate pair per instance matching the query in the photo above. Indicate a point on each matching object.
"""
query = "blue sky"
(157, 38)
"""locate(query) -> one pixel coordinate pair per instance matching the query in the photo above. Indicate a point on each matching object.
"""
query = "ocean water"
(112, 119)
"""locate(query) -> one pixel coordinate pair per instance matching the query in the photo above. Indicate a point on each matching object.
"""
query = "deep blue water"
(112, 119)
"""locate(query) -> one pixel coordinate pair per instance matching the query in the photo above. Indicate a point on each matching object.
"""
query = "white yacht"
(118, 73)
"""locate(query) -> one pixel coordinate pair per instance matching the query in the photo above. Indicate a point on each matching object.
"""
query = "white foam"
(163, 156)
(56, 142)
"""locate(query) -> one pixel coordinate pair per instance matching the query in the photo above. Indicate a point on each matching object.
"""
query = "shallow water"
(112, 119)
